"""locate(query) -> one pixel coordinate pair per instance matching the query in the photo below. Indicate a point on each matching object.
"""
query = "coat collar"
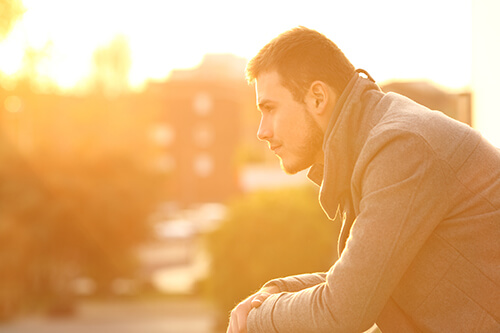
(346, 134)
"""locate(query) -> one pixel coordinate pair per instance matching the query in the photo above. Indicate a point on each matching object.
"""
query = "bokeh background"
(134, 194)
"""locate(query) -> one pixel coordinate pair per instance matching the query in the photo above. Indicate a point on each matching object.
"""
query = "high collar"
(344, 138)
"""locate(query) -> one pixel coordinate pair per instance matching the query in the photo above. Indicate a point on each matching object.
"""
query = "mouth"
(275, 148)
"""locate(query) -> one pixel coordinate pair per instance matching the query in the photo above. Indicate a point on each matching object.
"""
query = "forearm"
(290, 312)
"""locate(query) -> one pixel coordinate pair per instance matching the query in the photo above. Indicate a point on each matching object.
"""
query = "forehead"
(268, 87)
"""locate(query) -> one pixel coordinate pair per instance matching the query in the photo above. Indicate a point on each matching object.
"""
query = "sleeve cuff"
(260, 320)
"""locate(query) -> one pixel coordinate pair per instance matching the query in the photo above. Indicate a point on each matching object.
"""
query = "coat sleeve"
(401, 189)
(297, 282)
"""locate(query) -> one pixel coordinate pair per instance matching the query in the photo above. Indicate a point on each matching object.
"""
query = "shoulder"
(416, 124)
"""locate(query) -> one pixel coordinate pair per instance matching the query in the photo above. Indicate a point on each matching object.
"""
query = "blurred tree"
(12, 240)
(10, 12)
(30, 73)
(95, 214)
(76, 201)
(19, 194)
(111, 66)
(267, 235)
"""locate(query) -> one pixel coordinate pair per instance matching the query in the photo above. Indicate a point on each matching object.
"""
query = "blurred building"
(486, 68)
(454, 105)
(201, 127)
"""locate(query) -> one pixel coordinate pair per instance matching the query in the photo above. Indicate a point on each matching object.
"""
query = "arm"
(238, 318)
(401, 203)
(297, 282)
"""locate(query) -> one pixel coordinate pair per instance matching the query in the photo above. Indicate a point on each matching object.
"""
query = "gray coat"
(420, 241)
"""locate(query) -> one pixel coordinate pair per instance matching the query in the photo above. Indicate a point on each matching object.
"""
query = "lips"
(275, 148)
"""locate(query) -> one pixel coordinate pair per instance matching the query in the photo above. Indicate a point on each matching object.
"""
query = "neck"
(320, 158)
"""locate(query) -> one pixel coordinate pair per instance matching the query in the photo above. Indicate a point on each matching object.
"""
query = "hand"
(238, 319)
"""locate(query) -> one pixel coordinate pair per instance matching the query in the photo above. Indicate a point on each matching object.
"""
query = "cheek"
(284, 128)
(294, 129)
(289, 123)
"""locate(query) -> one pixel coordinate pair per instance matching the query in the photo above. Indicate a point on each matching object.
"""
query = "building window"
(203, 135)
(203, 165)
(202, 104)
(162, 134)
(165, 163)
(13, 104)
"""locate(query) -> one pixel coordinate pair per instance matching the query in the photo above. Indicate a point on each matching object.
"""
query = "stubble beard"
(309, 151)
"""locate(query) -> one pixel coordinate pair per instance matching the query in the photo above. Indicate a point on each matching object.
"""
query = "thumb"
(259, 299)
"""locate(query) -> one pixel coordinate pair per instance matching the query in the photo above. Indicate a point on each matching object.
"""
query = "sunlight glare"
(163, 35)
(11, 53)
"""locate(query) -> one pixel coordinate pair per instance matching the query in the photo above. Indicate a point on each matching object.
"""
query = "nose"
(264, 133)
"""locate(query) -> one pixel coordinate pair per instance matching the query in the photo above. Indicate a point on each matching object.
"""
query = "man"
(419, 194)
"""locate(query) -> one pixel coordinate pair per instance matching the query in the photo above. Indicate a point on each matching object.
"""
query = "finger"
(256, 302)
(233, 326)
(241, 321)
(259, 299)
(236, 328)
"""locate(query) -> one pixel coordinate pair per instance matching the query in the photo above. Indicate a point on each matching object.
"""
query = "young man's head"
(298, 77)
(302, 56)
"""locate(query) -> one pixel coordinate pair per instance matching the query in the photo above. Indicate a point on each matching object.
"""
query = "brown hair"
(302, 56)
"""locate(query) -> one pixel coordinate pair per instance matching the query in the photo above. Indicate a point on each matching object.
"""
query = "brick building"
(200, 126)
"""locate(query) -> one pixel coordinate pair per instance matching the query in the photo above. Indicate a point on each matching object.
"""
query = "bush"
(266, 235)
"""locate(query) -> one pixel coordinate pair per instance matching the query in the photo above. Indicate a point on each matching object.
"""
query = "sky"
(389, 38)
(392, 39)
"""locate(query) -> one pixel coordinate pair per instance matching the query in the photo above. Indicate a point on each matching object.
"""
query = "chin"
(290, 172)
(292, 169)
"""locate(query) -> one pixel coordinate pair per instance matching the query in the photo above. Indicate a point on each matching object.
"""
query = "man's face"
(287, 125)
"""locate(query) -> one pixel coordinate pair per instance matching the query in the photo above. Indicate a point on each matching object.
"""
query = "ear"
(318, 97)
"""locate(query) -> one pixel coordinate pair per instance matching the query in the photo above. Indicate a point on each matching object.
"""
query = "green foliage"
(60, 221)
(111, 67)
(267, 235)
(10, 12)
(77, 188)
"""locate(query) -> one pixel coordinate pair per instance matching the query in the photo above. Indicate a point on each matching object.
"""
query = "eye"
(269, 109)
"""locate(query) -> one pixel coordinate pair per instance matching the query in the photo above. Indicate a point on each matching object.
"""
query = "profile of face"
(287, 125)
